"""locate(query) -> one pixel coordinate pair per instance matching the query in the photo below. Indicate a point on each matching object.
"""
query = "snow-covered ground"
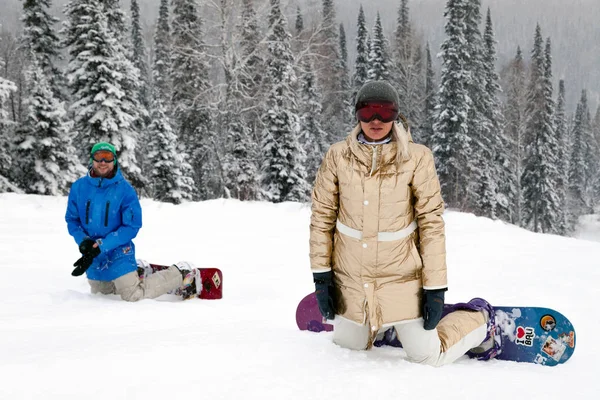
(57, 341)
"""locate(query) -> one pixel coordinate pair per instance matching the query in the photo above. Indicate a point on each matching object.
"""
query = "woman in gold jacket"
(377, 242)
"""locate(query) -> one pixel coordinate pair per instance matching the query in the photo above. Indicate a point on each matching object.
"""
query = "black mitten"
(82, 265)
(324, 291)
(433, 306)
(85, 261)
(86, 245)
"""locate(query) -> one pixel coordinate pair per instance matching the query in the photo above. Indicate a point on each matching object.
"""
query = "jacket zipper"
(87, 212)
(106, 214)
(374, 162)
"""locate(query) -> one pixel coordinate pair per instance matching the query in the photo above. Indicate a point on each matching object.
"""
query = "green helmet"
(103, 146)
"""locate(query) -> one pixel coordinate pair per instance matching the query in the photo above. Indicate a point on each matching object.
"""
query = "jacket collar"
(104, 182)
(386, 153)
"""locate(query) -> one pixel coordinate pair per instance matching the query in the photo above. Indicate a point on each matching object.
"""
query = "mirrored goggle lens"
(103, 156)
(384, 112)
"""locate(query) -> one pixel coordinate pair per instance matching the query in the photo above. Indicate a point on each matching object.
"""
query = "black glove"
(433, 306)
(82, 265)
(85, 261)
(324, 292)
(86, 245)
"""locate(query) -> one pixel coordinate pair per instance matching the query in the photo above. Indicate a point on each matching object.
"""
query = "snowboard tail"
(528, 334)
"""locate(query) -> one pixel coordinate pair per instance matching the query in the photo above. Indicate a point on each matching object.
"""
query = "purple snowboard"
(308, 316)
(528, 334)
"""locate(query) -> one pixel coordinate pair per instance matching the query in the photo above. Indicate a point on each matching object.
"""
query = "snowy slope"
(57, 341)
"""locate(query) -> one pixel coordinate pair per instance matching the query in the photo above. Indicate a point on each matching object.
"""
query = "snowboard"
(536, 335)
(211, 279)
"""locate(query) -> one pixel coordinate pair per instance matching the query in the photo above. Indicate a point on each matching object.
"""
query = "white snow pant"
(131, 288)
(456, 334)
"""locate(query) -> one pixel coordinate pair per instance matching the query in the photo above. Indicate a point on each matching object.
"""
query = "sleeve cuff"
(435, 287)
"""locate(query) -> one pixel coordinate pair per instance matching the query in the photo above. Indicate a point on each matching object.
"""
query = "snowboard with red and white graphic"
(203, 283)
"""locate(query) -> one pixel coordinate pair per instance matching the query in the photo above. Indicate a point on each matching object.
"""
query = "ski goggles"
(384, 111)
(104, 156)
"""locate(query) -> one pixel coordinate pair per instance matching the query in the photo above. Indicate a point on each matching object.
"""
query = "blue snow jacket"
(106, 210)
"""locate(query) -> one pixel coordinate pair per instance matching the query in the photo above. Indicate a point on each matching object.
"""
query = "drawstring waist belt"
(381, 236)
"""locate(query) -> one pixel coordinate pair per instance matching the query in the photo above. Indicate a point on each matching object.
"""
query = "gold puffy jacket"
(363, 188)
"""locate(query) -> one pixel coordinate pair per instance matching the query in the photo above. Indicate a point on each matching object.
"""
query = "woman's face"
(376, 130)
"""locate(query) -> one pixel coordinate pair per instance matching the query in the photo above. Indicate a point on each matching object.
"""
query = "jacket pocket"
(416, 256)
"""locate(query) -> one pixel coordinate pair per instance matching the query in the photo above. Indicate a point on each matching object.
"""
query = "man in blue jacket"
(103, 216)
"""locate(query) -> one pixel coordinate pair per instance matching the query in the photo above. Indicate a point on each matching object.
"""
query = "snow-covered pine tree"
(241, 177)
(514, 108)
(115, 17)
(403, 35)
(6, 87)
(331, 74)
(346, 114)
(6, 129)
(579, 172)
(593, 161)
(596, 125)
(312, 136)
(596, 135)
(482, 185)
(541, 203)
(591, 155)
(561, 125)
(451, 144)
(46, 161)
(428, 112)
(105, 104)
(555, 217)
(240, 166)
(117, 25)
(343, 55)
(563, 140)
(501, 171)
(252, 70)
(136, 51)
(171, 174)
(284, 174)
(379, 58)
(407, 71)
(191, 109)
(361, 63)
(15, 65)
(139, 57)
(161, 69)
(299, 21)
(40, 38)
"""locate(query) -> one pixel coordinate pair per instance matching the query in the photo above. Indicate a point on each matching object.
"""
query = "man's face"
(103, 163)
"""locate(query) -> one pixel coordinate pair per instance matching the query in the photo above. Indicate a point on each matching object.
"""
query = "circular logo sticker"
(547, 322)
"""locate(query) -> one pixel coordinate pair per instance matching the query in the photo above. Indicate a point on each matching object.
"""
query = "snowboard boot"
(190, 277)
(491, 344)
(143, 268)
